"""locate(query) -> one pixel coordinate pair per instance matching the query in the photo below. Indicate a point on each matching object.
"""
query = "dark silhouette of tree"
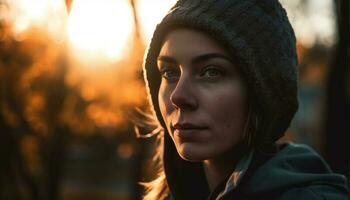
(337, 137)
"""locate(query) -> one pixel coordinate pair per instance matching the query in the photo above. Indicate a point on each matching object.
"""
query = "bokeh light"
(100, 29)
(312, 20)
(150, 12)
(50, 15)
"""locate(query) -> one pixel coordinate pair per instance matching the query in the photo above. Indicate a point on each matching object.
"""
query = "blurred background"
(71, 77)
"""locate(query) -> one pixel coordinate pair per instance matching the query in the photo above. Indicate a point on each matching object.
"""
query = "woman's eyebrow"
(208, 56)
(166, 59)
(197, 59)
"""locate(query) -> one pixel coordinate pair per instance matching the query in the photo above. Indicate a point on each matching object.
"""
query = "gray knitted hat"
(259, 35)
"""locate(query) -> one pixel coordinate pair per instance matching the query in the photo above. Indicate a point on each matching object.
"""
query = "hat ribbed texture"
(259, 35)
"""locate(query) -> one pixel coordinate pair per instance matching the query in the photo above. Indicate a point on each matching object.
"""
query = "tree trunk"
(337, 138)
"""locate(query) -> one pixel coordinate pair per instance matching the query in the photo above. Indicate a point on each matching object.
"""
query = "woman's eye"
(170, 74)
(211, 73)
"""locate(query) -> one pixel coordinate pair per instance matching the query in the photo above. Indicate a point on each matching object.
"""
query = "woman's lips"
(187, 126)
(187, 130)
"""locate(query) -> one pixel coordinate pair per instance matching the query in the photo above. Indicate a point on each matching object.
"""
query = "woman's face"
(201, 97)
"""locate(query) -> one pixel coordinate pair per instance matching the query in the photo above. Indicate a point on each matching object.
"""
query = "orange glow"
(103, 116)
(35, 105)
(100, 28)
(150, 13)
(48, 14)
(9, 116)
(78, 122)
(125, 150)
(29, 147)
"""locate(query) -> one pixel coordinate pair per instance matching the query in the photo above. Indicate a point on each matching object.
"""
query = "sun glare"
(47, 14)
(150, 13)
(100, 28)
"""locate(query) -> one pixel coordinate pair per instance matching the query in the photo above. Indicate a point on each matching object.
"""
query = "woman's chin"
(190, 153)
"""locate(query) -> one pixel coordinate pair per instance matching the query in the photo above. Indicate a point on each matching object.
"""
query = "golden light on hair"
(100, 29)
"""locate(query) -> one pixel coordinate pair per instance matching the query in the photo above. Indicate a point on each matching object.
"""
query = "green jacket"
(293, 172)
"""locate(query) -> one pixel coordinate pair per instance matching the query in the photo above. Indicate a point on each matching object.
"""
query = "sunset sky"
(103, 27)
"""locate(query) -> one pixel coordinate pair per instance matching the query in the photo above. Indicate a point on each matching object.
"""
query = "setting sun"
(100, 28)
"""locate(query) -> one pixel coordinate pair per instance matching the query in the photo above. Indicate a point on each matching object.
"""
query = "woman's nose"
(183, 96)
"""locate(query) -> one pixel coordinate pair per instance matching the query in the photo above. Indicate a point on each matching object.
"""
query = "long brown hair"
(157, 188)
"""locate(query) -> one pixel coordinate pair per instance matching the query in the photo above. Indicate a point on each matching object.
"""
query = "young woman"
(222, 79)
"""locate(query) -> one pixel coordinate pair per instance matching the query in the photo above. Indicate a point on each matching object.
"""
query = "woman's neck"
(218, 169)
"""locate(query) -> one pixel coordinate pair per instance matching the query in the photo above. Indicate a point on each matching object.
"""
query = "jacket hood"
(295, 165)
(291, 172)
(296, 169)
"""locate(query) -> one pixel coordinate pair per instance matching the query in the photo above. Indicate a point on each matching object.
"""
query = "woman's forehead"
(185, 41)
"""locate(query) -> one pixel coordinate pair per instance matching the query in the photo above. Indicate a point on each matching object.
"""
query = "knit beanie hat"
(259, 35)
